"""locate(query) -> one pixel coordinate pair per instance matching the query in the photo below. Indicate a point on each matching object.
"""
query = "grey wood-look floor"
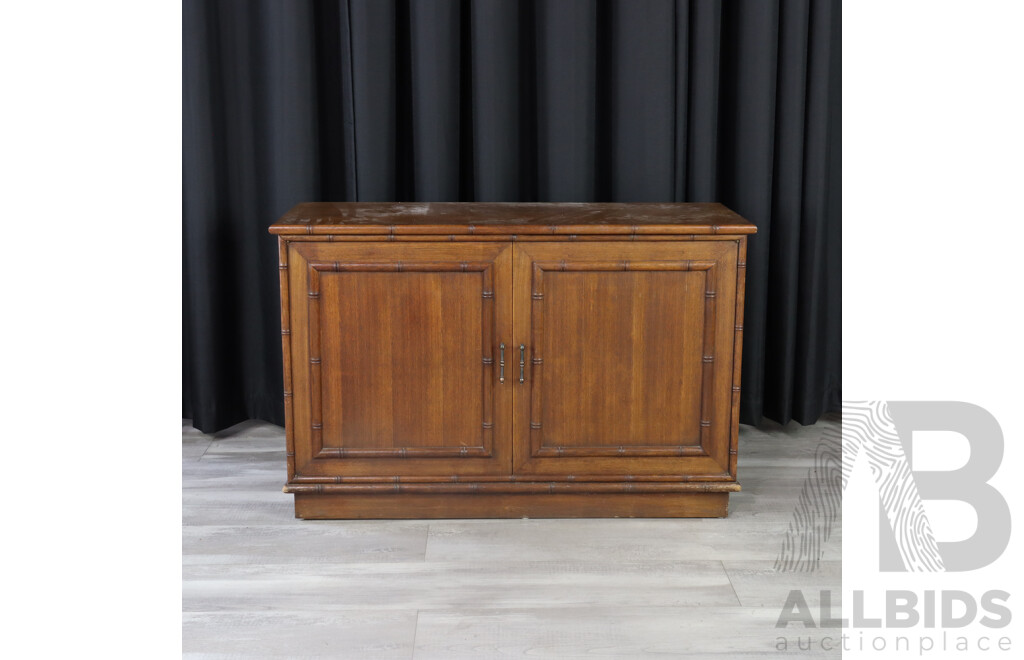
(257, 583)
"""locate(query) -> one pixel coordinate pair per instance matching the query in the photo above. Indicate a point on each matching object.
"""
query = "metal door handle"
(501, 363)
(522, 363)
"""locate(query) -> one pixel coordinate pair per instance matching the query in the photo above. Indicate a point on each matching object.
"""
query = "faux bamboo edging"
(503, 230)
(737, 356)
(514, 478)
(514, 487)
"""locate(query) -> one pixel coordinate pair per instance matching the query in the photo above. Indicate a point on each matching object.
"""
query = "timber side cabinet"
(479, 360)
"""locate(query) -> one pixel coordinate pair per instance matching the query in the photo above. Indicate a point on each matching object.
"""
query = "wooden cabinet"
(510, 360)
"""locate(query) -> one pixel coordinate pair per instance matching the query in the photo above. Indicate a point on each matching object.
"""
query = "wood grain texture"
(759, 584)
(511, 505)
(399, 376)
(286, 353)
(737, 354)
(383, 635)
(258, 584)
(401, 344)
(693, 633)
(519, 355)
(481, 219)
(470, 582)
(627, 345)
(626, 358)
(215, 549)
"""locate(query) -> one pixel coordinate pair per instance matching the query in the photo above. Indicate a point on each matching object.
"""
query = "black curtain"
(505, 100)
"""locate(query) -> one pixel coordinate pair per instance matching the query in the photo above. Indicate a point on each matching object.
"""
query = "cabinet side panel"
(286, 356)
(298, 318)
(725, 322)
(737, 362)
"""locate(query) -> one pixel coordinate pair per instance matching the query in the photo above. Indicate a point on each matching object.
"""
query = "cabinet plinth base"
(512, 505)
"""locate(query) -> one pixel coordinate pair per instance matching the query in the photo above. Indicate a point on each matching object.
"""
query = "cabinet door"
(629, 350)
(394, 359)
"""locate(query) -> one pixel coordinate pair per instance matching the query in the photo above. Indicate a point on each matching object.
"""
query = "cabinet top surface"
(510, 218)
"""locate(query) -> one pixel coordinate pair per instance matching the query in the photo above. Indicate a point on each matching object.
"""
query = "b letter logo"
(883, 432)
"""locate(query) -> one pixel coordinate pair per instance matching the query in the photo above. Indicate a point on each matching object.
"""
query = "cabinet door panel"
(395, 370)
(628, 344)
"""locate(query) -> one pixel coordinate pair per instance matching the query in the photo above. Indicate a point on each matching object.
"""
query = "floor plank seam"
(415, 632)
(728, 577)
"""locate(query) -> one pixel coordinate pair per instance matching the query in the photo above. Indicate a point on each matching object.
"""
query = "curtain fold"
(505, 100)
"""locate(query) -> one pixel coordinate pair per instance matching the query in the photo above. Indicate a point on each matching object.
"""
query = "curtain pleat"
(497, 106)
(702, 66)
(505, 100)
(787, 201)
(375, 110)
(435, 46)
(566, 101)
